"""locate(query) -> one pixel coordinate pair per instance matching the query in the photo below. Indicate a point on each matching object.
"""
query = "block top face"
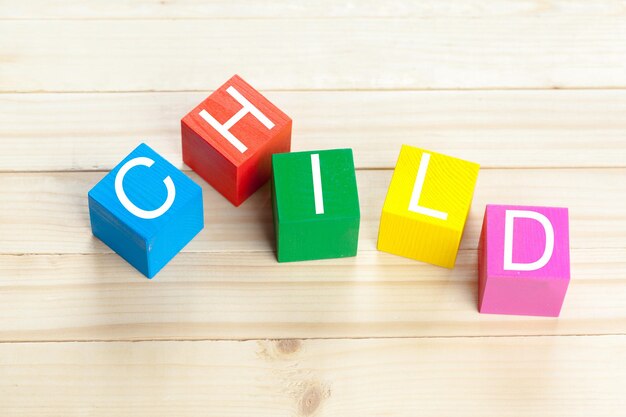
(432, 187)
(528, 242)
(315, 185)
(144, 191)
(236, 120)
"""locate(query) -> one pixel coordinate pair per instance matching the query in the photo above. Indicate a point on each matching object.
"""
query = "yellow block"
(426, 206)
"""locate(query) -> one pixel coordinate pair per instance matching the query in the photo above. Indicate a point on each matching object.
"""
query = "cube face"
(229, 139)
(427, 205)
(316, 205)
(524, 264)
(146, 210)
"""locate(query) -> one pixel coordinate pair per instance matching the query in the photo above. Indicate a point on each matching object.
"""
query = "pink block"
(523, 260)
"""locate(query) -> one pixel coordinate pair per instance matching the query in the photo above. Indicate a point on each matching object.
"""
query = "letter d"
(510, 217)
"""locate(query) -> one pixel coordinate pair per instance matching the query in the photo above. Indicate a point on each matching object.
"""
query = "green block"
(316, 211)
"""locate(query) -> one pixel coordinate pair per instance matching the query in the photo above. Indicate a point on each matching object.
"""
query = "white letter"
(317, 184)
(510, 217)
(414, 204)
(247, 108)
(128, 205)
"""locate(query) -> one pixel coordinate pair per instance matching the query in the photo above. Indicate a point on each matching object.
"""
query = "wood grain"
(202, 296)
(544, 376)
(499, 129)
(47, 212)
(434, 53)
(191, 9)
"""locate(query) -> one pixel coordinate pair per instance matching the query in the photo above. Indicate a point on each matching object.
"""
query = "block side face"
(482, 261)
(528, 243)
(209, 163)
(118, 236)
(448, 186)
(323, 239)
(528, 297)
(275, 219)
(417, 240)
(188, 221)
(295, 186)
(249, 130)
(257, 169)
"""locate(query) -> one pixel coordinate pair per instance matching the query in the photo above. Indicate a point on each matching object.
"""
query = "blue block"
(146, 210)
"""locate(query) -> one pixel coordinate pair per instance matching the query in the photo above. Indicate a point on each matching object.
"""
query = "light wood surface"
(538, 376)
(499, 129)
(356, 53)
(286, 9)
(534, 91)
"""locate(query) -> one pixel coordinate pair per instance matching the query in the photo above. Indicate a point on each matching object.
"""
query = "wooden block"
(146, 210)
(426, 206)
(316, 205)
(524, 265)
(230, 137)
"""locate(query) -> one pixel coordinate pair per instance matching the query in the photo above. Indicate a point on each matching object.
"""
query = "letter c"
(128, 205)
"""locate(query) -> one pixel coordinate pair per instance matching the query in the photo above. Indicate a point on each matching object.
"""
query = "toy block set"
(236, 140)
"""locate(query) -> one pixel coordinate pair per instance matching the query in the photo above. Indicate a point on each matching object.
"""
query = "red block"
(230, 137)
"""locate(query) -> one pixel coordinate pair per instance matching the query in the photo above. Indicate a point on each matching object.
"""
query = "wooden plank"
(47, 212)
(545, 376)
(191, 9)
(498, 129)
(437, 53)
(243, 296)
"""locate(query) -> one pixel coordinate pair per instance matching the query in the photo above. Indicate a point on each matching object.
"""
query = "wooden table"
(533, 91)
